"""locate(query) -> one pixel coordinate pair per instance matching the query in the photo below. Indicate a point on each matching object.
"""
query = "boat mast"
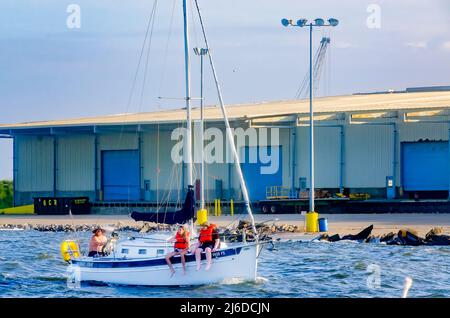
(188, 145)
(229, 133)
(202, 124)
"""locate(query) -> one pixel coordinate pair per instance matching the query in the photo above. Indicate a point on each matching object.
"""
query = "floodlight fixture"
(302, 22)
(285, 22)
(200, 52)
(319, 22)
(333, 22)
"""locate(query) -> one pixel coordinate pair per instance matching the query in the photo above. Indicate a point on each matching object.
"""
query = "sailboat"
(141, 260)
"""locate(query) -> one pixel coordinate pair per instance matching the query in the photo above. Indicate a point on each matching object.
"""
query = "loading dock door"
(120, 175)
(255, 178)
(425, 166)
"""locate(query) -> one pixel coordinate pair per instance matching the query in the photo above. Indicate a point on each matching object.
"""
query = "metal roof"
(326, 105)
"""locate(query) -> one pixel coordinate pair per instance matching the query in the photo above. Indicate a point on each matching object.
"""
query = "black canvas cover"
(182, 216)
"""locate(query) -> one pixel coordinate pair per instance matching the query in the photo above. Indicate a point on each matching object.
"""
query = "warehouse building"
(391, 145)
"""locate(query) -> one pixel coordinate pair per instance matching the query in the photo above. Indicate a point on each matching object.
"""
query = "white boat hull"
(237, 262)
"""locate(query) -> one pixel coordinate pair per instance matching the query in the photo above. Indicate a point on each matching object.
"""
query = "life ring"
(69, 249)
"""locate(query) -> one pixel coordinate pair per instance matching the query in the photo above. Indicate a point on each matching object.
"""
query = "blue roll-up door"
(255, 177)
(425, 166)
(120, 175)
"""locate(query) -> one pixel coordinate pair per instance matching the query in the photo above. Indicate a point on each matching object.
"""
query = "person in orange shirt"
(97, 242)
(209, 242)
(181, 247)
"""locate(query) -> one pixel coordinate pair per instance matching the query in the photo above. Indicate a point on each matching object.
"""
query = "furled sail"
(184, 215)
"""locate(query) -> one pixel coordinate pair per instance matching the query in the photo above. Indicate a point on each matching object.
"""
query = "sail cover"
(182, 216)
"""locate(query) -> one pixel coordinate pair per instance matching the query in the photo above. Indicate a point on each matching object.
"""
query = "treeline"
(6, 194)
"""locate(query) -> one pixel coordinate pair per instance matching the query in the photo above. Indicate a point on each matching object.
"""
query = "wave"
(44, 256)
(237, 281)
(261, 280)
(51, 278)
(232, 281)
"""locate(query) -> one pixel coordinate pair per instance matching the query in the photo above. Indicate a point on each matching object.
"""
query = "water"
(30, 266)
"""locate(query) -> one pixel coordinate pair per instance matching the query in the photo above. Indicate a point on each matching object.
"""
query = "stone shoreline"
(289, 224)
(142, 228)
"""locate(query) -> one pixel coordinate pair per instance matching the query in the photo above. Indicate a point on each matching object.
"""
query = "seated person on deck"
(181, 247)
(98, 241)
(209, 242)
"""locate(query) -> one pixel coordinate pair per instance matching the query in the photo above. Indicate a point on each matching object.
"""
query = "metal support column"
(395, 155)
(55, 165)
(14, 170)
(96, 192)
(449, 159)
(311, 123)
(342, 159)
(140, 166)
(294, 159)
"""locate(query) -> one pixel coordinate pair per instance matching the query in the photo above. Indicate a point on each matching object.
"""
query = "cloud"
(446, 46)
(417, 45)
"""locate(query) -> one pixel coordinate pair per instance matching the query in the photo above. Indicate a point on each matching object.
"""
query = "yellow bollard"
(231, 207)
(202, 216)
(215, 207)
(312, 222)
(219, 207)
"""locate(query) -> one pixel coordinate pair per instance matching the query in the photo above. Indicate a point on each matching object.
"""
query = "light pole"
(201, 53)
(317, 23)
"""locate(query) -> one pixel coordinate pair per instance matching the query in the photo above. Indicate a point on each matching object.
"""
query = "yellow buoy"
(312, 222)
(202, 216)
(69, 249)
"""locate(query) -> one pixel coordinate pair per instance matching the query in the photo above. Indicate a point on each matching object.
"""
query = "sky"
(51, 71)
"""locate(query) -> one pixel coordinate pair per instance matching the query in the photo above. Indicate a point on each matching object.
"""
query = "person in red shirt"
(209, 242)
(181, 247)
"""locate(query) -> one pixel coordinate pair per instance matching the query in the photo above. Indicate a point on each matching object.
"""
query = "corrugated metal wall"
(285, 143)
(327, 156)
(75, 163)
(368, 158)
(170, 176)
(157, 164)
(213, 170)
(118, 141)
(418, 131)
(34, 163)
(368, 155)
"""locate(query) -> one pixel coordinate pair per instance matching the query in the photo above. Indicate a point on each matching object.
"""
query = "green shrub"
(6, 194)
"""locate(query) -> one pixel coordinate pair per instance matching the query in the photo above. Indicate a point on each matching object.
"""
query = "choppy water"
(30, 266)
